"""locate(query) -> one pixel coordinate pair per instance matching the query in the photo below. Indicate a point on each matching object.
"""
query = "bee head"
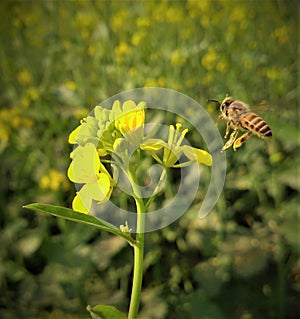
(225, 103)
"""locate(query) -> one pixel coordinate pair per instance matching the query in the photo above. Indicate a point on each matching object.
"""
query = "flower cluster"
(173, 150)
(106, 136)
(95, 138)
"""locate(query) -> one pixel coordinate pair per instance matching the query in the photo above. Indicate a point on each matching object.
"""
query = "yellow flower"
(71, 85)
(24, 77)
(130, 122)
(151, 82)
(175, 14)
(142, 22)
(173, 150)
(209, 60)
(177, 59)
(119, 20)
(137, 38)
(198, 8)
(238, 14)
(33, 93)
(132, 118)
(80, 113)
(132, 71)
(4, 134)
(87, 169)
(281, 34)
(272, 73)
(222, 66)
(54, 180)
(91, 50)
(121, 51)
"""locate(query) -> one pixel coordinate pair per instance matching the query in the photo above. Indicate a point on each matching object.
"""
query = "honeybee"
(240, 117)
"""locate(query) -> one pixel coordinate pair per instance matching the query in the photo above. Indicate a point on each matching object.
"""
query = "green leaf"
(105, 312)
(70, 214)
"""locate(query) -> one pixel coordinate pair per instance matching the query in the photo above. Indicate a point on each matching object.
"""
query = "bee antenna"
(216, 101)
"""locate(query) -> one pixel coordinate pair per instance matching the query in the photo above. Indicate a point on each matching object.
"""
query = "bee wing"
(261, 108)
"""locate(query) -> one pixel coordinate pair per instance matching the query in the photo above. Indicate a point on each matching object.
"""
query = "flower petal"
(201, 156)
(131, 118)
(99, 191)
(153, 144)
(85, 165)
(81, 206)
(103, 187)
(85, 133)
(73, 135)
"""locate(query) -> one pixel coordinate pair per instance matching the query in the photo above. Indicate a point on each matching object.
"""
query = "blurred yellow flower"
(33, 93)
(71, 85)
(122, 50)
(132, 71)
(25, 101)
(11, 121)
(85, 33)
(281, 34)
(273, 73)
(138, 37)
(177, 58)
(4, 133)
(276, 158)
(198, 9)
(91, 50)
(54, 180)
(16, 121)
(210, 59)
(119, 19)
(238, 14)
(222, 66)
(142, 22)
(24, 77)
(151, 82)
(84, 19)
(174, 14)
(80, 113)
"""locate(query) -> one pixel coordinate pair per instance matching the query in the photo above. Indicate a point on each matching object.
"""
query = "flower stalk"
(138, 253)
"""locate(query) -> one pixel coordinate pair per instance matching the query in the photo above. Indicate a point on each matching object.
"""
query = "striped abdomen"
(256, 124)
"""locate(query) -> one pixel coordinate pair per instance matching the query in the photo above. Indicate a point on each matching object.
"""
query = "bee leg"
(227, 129)
(231, 140)
(219, 119)
(241, 140)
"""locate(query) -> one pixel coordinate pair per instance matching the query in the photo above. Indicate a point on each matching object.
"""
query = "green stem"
(157, 188)
(138, 255)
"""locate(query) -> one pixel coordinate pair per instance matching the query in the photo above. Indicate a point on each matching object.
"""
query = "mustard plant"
(108, 144)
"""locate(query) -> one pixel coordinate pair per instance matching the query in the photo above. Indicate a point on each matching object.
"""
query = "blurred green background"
(58, 60)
